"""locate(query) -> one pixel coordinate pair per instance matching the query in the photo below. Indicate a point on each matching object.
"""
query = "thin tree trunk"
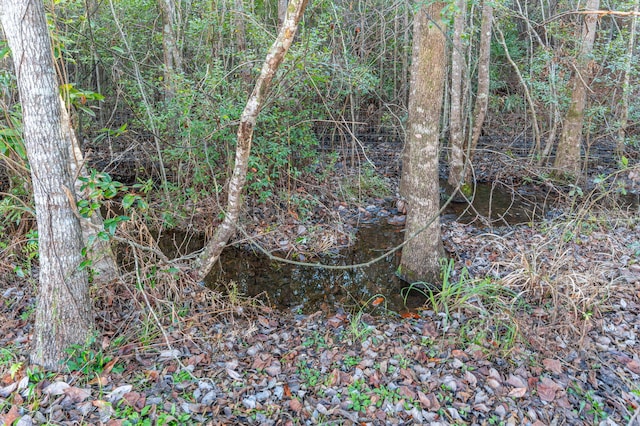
(282, 11)
(626, 84)
(103, 261)
(63, 312)
(274, 58)
(456, 133)
(568, 159)
(171, 50)
(241, 42)
(482, 95)
(525, 87)
(423, 249)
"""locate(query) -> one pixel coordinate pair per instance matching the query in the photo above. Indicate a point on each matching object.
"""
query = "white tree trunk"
(248, 119)
(423, 249)
(63, 312)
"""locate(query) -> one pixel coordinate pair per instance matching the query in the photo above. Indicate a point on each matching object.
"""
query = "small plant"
(310, 376)
(390, 395)
(589, 404)
(351, 361)
(359, 399)
(315, 340)
(83, 359)
(358, 330)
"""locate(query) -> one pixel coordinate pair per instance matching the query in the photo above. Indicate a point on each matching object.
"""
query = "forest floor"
(537, 324)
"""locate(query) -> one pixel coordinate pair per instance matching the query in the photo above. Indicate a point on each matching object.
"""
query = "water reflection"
(286, 286)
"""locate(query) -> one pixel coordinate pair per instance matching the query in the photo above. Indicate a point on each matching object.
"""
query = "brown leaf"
(287, 391)
(11, 416)
(547, 389)
(109, 366)
(470, 378)
(634, 366)
(131, 398)
(517, 392)
(152, 374)
(263, 321)
(462, 355)
(77, 394)
(374, 379)
(100, 381)
(407, 392)
(516, 381)
(261, 361)
(429, 329)
(552, 365)
(295, 405)
(424, 401)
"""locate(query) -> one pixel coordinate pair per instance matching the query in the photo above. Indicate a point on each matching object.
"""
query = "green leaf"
(128, 200)
(624, 161)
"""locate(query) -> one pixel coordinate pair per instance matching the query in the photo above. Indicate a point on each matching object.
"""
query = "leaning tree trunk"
(423, 249)
(482, 94)
(568, 156)
(63, 312)
(103, 261)
(274, 58)
(456, 133)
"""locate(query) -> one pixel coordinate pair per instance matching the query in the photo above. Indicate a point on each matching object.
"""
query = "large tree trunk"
(456, 133)
(568, 156)
(274, 58)
(423, 249)
(63, 312)
(482, 94)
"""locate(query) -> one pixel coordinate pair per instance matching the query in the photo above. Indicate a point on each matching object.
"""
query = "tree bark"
(103, 261)
(274, 58)
(421, 254)
(626, 83)
(63, 312)
(568, 159)
(456, 134)
(171, 50)
(482, 94)
(282, 11)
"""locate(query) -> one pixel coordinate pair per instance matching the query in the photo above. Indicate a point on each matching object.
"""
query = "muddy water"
(495, 205)
(287, 286)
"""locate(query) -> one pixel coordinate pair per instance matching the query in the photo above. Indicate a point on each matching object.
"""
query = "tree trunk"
(456, 134)
(568, 156)
(103, 261)
(241, 43)
(274, 58)
(282, 11)
(423, 249)
(482, 95)
(171, 50)
(626, 84)
(63, 312)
